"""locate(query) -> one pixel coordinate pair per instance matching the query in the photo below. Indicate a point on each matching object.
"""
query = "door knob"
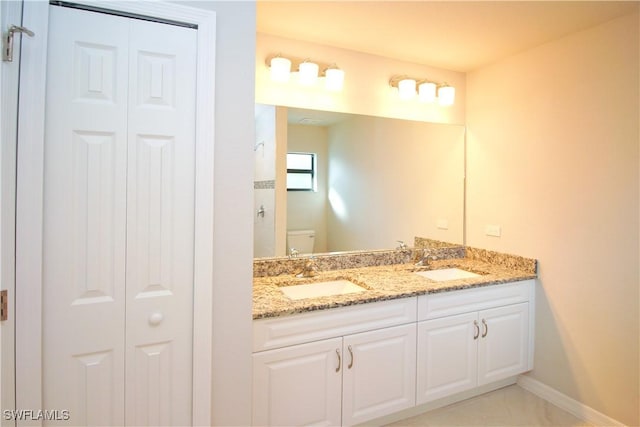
(155, 319)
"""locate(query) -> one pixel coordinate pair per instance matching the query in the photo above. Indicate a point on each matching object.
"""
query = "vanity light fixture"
(308, 72)
(427, 90)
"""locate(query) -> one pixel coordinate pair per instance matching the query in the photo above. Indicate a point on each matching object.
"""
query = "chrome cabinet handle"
(351, 353)
(339, 360)
(486, 328)
(477, 334)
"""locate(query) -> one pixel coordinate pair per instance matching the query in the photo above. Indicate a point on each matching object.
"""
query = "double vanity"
(369, 334)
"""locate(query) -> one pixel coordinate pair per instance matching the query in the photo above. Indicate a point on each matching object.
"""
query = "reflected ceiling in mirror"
(377, 180)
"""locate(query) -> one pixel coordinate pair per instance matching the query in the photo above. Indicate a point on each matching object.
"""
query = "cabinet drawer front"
(335, 322)
(433, 306)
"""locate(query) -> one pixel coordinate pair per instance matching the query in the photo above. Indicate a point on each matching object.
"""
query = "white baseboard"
(567, 403)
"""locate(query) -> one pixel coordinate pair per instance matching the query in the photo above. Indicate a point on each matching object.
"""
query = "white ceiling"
(455, 35)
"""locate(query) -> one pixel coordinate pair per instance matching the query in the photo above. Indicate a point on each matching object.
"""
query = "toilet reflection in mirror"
(377, 180)
(300, 242)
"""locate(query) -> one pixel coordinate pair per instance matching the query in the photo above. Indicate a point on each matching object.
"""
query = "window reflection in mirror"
(301, 172)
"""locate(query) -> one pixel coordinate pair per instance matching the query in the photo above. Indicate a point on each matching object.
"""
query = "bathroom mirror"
(375, 181)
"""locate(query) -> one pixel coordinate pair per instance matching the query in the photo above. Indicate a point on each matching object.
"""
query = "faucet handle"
(293, 253)
(402, 245)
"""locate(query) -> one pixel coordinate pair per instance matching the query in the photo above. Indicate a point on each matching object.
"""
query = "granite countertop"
(382, 283)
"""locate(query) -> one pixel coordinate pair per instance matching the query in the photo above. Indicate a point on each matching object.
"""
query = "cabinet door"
(379, 374)
(447, 355)
(298, 385)
(503, 347)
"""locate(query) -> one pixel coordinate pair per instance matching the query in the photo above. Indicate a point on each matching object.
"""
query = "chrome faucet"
(310, 268)
(293, 253)
(401, 245)
(426, 257)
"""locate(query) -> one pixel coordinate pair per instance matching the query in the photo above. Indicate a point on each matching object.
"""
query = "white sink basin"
(321, 289)
(447, 274)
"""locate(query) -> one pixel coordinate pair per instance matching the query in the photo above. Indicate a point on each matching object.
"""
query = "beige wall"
(307, 210)
(393, 180)
(553, 146)
(366, 89)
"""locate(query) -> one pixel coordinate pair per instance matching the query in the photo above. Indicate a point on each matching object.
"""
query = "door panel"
(152, 384)
(84, 217)
(160, 230)
(94, 391)
(118, 220)
(97, 214)
(94, 65)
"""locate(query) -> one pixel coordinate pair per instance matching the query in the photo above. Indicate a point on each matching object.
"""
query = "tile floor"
(509, 406)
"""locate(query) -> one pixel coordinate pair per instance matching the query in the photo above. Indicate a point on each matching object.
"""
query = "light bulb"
(427, 92)
(334, 79)
(407, 88)
(280, 69)
(308, 73)
(446, 95)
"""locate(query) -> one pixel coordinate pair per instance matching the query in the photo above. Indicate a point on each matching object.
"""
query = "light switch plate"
(493, 230)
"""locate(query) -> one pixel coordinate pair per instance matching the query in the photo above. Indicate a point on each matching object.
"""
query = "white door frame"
(10, 13)
(29, 196)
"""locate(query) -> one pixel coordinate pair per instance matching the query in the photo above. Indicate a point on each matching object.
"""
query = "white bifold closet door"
(118, 219)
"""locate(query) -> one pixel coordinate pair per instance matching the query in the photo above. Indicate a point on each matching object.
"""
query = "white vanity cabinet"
(343, 380)
(353, 364)
(473, 337)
